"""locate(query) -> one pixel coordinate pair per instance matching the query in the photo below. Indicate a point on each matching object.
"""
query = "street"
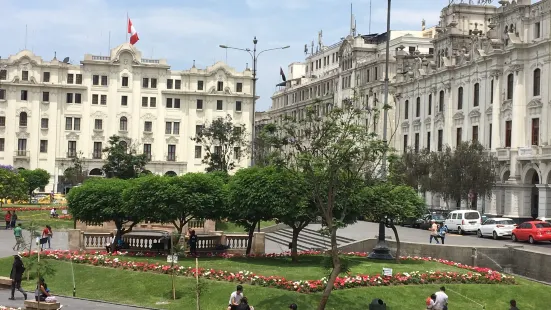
(364, 230)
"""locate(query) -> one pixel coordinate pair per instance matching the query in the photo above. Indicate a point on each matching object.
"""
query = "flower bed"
(8, 308)
(25, 209)
(475, 275)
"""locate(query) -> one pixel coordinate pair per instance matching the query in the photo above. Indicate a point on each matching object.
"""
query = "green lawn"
(308, 267)
(148, 289)
(230, 227)
(42, 218)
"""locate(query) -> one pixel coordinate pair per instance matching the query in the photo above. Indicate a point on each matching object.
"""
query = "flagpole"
(126, 26)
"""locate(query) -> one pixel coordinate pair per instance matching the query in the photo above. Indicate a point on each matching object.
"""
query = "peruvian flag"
(133, 34)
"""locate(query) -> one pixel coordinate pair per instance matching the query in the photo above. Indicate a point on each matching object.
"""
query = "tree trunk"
(251, 234)
(336, 267)
(118, 236)
(294, 244)
(393, 227)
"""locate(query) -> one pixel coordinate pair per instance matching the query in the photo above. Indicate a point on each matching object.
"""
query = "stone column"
(496, 105)
(544, 207)
(495, 201)
(259, 243)
(518, 118)
(74, 239)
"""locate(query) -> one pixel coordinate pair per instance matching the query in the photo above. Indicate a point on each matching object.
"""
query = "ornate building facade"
(489, 81)
(52, 111)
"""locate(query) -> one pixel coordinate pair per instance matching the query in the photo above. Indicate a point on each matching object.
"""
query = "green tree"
(101, 200)
(12, 185)
(37, 178)
(411, 168)
(123, 160)
(224, 143)
(336, 153)
(387, 202)
(75, 173)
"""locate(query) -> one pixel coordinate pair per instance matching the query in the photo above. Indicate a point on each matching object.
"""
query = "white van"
(463, 221)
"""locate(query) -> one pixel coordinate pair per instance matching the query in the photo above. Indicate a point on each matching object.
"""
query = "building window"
(169, 102)
(69, 98)
(405, 143)
(95, 99)
(178, 84)
(236, 152)
(198, 150)
(475, 133)
(2, 94)
(430, 104)
(147, 150)
(44, 122)
(95, 80)
(238, 106)
(3, 74)
(219, 105)
(2, 121)
(78, 98)
(537, 30)
(176, 103)
(490, 137)
(492, 91)
(510, 85)
(76, 123)
(198, 129)
(79, 79)
(418, 107)
(148, 126)
(171, 153)
(45, 96)
(535, 131)
(145, 83)
(537, 82)
(25, 76)
(199, 85)
(97, 150)
(441, 102)
(153, 102)
(169, 83)
(199, 104)
(124, 81)
(2, 144)
(43, 146)
(440, 139)
(376, 73)
(98, 124)
(46, 77)
(476, 94)
(103, 100)
(23, 119)
(144, 102)
(24, 95)
(172, 128)
(239, 87)
(406, 109)
(70, 78)
(508, 133)
(217, 150)
(123, 123)
(68, 123)
(22, 147)
(460, 98)
(124, 100)
(220, 86)
(458, 135)
(153, 83)
(416, 142)
(428, 140)
(71, 149)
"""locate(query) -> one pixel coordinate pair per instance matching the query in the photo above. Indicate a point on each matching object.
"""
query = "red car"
(532, 231)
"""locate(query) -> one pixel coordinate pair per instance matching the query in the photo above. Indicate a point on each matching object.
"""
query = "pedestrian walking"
(7, 218)
(442, 231)
(193, 243)
(17, 270)
(47, 235)
(433, 232)
(18, 234)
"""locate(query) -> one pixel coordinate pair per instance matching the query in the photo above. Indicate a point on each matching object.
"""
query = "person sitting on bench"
(119, 246)
(42, 292)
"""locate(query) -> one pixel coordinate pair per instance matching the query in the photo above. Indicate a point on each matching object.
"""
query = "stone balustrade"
(200, 226)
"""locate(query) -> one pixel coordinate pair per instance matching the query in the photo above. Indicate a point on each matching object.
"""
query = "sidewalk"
(7, 241)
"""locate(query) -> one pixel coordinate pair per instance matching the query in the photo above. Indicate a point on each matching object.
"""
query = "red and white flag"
(133, 33)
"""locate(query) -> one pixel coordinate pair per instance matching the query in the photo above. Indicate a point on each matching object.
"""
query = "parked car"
(496, 227)
(532, 231)
(426, 222)
(463, 221)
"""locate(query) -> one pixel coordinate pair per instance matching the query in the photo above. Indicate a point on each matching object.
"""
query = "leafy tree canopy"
(37, 178)
(12, 185)
(123, 160)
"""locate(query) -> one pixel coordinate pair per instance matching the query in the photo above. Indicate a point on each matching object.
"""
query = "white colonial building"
(352, 68)
(488, 80)
(51, 111)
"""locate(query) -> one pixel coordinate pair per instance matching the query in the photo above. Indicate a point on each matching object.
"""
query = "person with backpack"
(16, 275)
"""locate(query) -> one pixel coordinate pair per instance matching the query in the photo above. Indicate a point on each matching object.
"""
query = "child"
(431, 301)
(442, 233)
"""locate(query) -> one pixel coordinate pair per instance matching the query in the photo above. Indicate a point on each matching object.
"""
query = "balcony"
(171, 157)
(528, 153)
(72, 154)
(503, 154)
(22, 154)
(97, 155)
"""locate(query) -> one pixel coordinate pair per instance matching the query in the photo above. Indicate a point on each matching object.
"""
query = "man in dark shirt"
(16, 275)
(193, 243)
(513, 304)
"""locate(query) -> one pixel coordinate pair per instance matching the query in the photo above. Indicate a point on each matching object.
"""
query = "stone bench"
(32, 304)
(5, 282)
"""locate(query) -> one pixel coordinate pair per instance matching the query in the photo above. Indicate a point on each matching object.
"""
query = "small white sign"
(387, 272)
(172, 259)
(64, 212)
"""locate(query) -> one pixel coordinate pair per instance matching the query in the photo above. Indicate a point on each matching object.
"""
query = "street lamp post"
(381, 250)
(254, 57)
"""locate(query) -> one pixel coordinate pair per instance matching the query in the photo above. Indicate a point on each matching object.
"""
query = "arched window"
(537, 82)
(476, 94)
(123, 126)
(123, 144)
(23, 119)
(510, 85)
(460, 98)
(441, 102)
(418, 107)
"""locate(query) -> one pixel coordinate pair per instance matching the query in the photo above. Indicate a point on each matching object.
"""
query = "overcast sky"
(183, 31)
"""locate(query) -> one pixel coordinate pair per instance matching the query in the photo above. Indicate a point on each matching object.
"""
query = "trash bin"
(377, 304)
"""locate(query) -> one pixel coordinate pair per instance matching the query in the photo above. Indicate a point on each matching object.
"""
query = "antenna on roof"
(66, 60)
(55, 55)
(369, 16)
(25, 36)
